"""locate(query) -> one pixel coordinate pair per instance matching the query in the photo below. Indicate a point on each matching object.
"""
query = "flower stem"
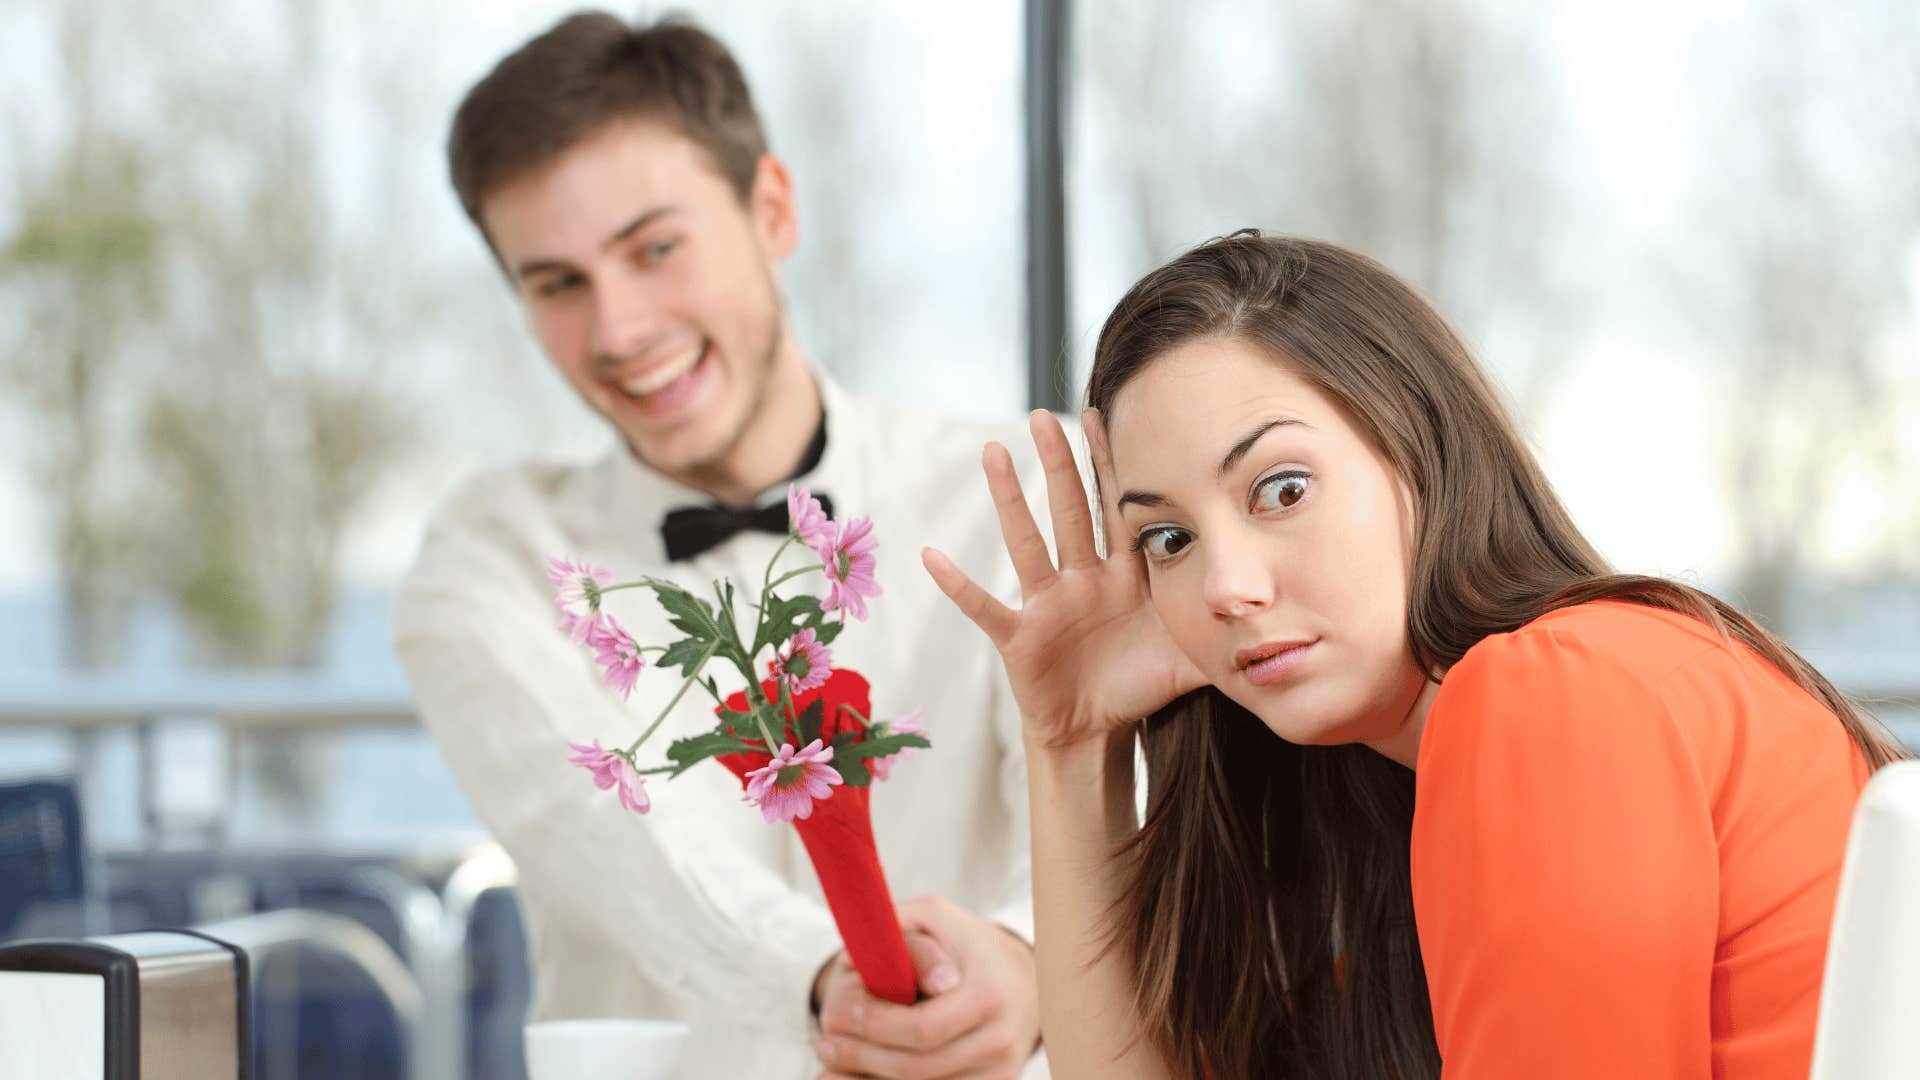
(640, 584)
(766, 577)
(677, 695)
(772, 747)
(791, 574)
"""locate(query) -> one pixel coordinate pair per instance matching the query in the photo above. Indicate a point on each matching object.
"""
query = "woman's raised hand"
(1086, 653)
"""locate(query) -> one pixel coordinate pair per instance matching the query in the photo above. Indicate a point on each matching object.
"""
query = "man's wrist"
(820, 984)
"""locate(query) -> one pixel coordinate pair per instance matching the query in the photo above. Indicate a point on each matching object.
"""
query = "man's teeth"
(647, 383)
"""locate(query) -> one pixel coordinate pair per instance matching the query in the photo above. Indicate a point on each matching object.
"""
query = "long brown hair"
(1268, 910)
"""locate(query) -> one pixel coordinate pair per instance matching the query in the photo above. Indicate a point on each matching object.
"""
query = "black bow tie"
(692, 530)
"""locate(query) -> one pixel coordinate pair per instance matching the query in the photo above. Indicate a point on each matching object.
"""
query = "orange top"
(1627, 838)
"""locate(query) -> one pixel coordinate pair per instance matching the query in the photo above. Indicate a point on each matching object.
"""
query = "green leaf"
(688, 613)
(692, 750)
(853, 770)
(827, 629)
(685, 654)
(723, 592)
(881, 746)
(782, 618)
(808, 727)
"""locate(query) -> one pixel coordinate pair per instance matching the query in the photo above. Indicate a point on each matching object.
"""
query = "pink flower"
(577, 627)
(787, 786)
(577, 593)
(808, 520)
(804, 664)
(850, 568)
(611, 770)
(615, 650)
(909, 724)
(633, 790)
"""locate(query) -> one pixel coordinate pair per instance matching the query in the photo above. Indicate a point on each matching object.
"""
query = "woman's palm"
(1085, 652)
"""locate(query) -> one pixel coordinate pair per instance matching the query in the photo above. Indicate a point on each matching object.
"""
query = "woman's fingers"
(1101, 452)
(1066, 495)
(1032, 563)
(993, 617)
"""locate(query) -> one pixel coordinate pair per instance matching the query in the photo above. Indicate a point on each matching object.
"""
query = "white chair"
(1870, 999)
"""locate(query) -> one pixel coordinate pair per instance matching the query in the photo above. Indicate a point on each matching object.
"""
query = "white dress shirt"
(700, 910)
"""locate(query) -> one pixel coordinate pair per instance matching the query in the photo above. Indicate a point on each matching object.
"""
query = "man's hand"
(981, 1016)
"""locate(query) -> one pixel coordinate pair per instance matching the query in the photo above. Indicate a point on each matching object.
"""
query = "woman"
(1522, 815)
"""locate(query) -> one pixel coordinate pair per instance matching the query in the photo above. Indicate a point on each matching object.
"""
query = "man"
(621, 179)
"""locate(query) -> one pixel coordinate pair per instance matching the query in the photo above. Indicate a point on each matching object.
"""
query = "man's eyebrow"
(541, 266)
(636, 225)
(1245, 445)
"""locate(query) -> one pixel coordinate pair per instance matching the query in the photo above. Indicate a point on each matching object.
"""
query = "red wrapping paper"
(839, 839)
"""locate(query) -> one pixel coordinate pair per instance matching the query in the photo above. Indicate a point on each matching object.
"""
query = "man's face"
(651, 286)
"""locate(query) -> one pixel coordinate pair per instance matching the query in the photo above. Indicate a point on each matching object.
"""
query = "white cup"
(605, 1049)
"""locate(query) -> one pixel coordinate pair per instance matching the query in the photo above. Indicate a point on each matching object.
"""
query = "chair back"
(42, 851)
(1871, 994)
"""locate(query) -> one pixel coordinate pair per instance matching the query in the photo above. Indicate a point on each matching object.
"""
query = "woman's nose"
(1237, 582)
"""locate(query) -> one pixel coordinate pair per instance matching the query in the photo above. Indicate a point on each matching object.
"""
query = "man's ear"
(776, 217)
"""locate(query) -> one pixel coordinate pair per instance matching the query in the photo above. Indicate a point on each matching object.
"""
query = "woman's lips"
(1264, 664)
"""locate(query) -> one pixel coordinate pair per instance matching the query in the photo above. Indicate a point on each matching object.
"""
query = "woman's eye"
(1281, 491)
(1162, 544)
(654, 252)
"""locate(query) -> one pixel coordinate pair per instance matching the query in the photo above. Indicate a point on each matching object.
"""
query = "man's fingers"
(933, 967)
(1032, 563)
(978, 1048)
(1066, 492)
(996, 619)
(879, 1024)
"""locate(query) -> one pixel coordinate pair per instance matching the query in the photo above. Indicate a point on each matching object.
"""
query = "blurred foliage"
(1806, 307)
(207, 427)
(1426, 135)
(1418, 133)
(85, 263)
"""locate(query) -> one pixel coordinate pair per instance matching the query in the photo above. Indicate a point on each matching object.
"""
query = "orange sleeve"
(1565, 871)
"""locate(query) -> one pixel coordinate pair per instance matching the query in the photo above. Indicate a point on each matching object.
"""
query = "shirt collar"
(636, 495)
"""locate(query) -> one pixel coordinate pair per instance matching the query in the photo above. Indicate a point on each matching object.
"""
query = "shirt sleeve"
(687, 906)
(1565, 870)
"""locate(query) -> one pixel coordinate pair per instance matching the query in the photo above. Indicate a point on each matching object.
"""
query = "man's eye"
(1162, 544)
(654, 252)
(558, 284)
(1281, 491)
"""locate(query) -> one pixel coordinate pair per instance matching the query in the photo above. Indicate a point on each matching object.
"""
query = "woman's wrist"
(1090, 780)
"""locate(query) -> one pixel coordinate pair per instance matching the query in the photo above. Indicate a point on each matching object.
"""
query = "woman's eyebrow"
(1137, 497)
(1245, 445)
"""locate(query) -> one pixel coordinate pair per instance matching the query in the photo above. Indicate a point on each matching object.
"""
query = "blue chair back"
(42, 848)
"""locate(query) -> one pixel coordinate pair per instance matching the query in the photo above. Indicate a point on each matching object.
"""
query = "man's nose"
(626, 318)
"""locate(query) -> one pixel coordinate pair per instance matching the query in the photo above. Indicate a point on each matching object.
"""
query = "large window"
(253, 339)
(1685, 236)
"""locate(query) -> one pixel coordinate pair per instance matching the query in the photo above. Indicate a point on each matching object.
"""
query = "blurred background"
(247, 340)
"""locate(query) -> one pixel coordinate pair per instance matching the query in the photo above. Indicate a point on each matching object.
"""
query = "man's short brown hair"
(591, 70)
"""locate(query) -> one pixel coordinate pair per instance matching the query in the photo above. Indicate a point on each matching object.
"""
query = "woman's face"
(1278, 542)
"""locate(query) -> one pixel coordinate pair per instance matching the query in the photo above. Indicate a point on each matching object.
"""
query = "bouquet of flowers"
(803, 701)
